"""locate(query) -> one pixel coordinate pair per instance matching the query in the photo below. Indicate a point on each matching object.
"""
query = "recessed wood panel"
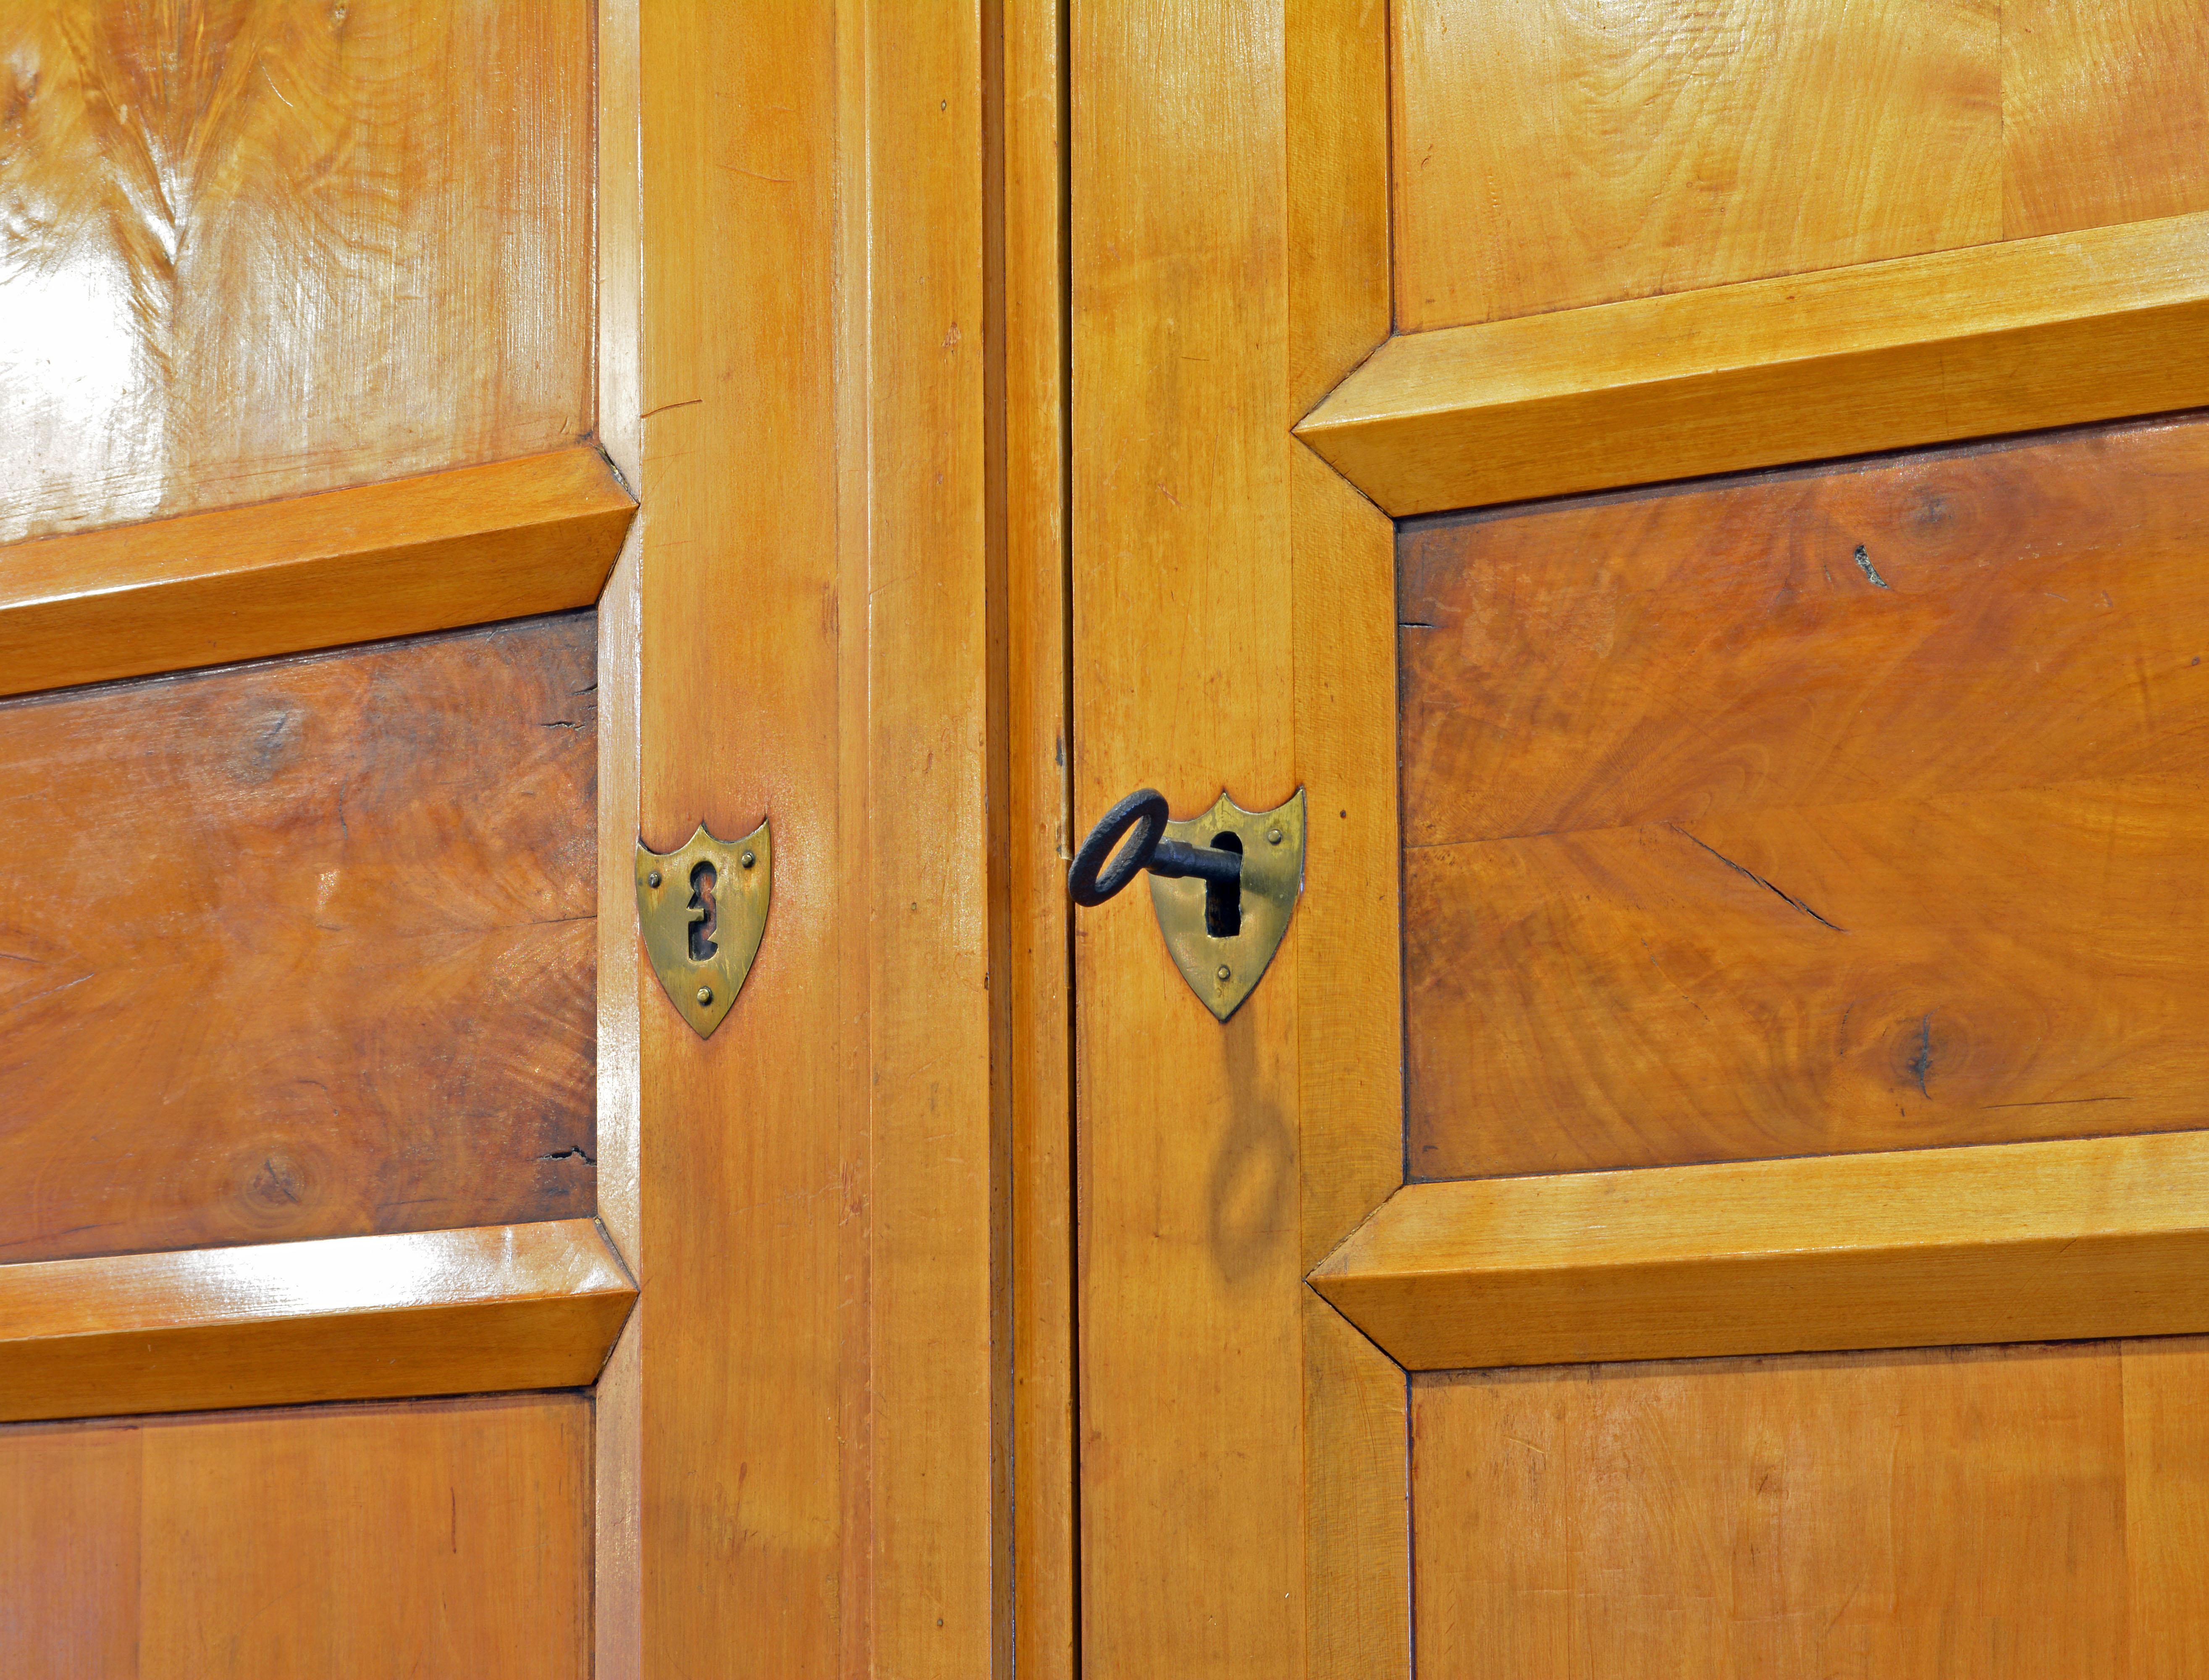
(301, 949)
(436, 1538)
(1550, 154)
(2105, 112)
(1851, 809)
(248, 250)
(2018, 1512)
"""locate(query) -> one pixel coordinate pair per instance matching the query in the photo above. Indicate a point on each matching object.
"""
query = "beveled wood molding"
(2001, 1242)
(466, 546)
(2001, 338)
(433, 1312)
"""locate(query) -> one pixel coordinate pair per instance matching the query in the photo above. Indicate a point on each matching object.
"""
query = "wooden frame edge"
(796, 292)
(1034, 744)
(1224, 274)
(1350, 1093)
(2017, 336)
(617, 1413)
(2074, 1240)
(469, 545)
(434, 1312)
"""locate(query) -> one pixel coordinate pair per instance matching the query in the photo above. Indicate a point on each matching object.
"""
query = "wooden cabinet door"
(299, 546)
(1710, 1182)
(450, 445)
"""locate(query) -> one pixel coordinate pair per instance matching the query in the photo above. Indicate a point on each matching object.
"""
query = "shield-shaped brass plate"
(702, 909)
(1223, 968)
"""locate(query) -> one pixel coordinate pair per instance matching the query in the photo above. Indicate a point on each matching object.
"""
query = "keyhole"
(1223, 900)
(704, 918)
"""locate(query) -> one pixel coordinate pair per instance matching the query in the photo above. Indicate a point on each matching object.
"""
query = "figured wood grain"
(389, 559)
(378, 1541)
(300, 949)
(2021, 1242)
(257, 249)
(2105, 114)
(1847, 809)
(2031, 334)
(1646, 148)
(432, 1312)
(1984, 1512)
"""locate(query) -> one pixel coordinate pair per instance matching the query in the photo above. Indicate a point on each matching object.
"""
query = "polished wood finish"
(383, 1542)
(1037, 1000)
(1848, 809)
(300, 949)
(617, 1421)
(1645, 149)
(1997, 1512)
(389, 559)
(430, 1312)
(1356, 1609)
(1242, 1508)
(820, 1381)
(257, 251)
(2017, 1241)
(2035, 332)
(1641, 149)
(2105, 113)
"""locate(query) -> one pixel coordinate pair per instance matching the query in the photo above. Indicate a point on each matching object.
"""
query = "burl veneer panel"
(1975, 1514)
(1855, 807)
(436, 1537)
(300, 949)
(255, 248)
(1647, 146)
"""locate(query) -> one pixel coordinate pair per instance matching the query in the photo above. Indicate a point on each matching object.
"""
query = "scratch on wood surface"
(1738, 870)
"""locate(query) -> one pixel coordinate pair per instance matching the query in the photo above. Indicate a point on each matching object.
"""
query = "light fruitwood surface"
(1551, 155)
(1847, 808)
(1992, 1514)
(1242, 1493)
(2019, 1242)
(2105, 112)
(376, 1542)
(254, 250)
(809, 1421)
(431, 1312)
(2034, 333)
(388, 559)
(301, 948)
(1035, 1004)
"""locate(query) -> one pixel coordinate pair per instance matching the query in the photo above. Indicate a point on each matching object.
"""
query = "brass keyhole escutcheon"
(1223, 885)
(1222, 935)
(703, 911)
